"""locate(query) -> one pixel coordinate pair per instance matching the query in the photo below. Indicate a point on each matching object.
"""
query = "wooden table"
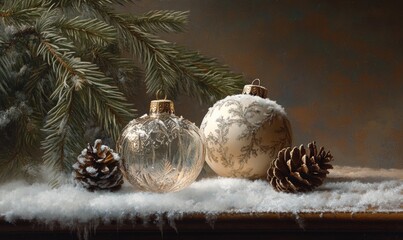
(230, 226)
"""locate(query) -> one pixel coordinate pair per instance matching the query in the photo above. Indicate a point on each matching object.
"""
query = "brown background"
(336, 67)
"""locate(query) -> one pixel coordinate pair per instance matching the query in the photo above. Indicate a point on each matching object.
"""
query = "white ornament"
(243, 134)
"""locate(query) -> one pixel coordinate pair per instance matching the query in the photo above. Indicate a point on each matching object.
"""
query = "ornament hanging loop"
(255, 90)
(256, 79)
(160, 93)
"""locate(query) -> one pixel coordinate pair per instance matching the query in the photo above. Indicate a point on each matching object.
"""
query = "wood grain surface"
(225, 226)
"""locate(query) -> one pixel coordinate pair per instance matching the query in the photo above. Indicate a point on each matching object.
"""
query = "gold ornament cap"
(255, 90)
(160, 106)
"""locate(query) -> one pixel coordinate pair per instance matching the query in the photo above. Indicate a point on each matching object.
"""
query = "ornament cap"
(255, 90)
(161, 106)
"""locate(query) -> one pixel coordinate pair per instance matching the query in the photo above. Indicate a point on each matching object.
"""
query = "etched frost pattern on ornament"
(219, 141)
(161, 154)
(284, 141)
(248, 120)
(163, 176)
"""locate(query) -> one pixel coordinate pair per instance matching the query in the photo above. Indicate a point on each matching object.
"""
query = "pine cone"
(298, 171)
(98, 168)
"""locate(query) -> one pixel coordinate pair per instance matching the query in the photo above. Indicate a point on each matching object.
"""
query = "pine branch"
(24, 4)
(13, 165)
(80, 3)
(29, 127)
(204, 78)
(87, 31)
(152, 52)
(20, 13)
(21, 132)
(86, 83)
(64, 127)
(105, 100)
(103, 57)
(161, 21)
(55, 50)
(38, 86)
(106, 106)
(21, 136)
(62, 135)
(5, 66)
(165, 64)
(122, 70)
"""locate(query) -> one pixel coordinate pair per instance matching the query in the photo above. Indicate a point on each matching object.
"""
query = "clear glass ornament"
(161, 152)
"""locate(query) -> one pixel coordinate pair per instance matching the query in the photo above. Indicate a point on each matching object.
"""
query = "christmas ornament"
(97, 168)
(160, 151)
(244, 132)
(296, 170)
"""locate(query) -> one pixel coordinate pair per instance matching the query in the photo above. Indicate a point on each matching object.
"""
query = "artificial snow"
(13, 113)
(347, 189)
(116, 156)
(91, 170)
(264, 102)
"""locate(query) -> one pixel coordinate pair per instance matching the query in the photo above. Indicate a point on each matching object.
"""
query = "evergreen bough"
(62, 64)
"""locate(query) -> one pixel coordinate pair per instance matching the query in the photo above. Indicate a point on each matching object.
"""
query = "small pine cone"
(98, 168)
(299, 171)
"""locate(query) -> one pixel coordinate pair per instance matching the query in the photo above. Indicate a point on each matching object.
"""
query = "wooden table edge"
(242, 222)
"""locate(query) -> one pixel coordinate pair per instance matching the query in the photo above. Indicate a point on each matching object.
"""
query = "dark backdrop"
(336, 67)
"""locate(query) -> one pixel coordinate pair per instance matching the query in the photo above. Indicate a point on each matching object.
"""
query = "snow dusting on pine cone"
(296, 170)
(98, 168)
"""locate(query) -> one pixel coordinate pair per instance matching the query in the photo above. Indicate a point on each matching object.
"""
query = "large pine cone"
(298, 171)
(98, 168)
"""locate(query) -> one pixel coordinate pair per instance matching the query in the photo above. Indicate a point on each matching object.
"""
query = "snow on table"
(347, 189)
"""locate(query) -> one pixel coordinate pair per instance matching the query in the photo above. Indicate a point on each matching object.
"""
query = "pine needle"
(161, 21)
